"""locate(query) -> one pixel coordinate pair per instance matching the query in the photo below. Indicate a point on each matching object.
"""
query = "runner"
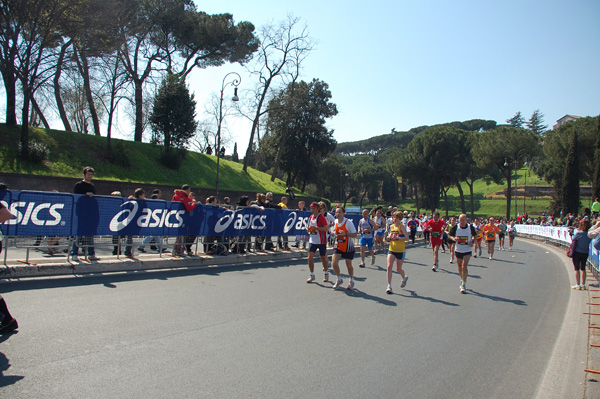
(317, 228)
(502, 226)
(477, 225)
(380, 225)
(397, 239)
(451, 242)
(490, 230)
(464, 236)
(330, 221)
(344, 232)
(426, 232)
(435, 226)
(445, 237)
(366, 227)
(512, 233)
(413, 225)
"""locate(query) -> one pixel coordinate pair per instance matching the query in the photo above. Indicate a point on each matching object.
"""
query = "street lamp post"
(235, 82)
(515, 161)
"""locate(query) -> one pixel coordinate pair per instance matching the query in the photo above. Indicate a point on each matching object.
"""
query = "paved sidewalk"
(42, 265)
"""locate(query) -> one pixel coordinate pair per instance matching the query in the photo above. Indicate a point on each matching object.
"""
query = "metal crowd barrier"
(592, 265)
(118, 246)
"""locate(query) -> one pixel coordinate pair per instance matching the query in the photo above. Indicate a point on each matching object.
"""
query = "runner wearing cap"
(317, 230)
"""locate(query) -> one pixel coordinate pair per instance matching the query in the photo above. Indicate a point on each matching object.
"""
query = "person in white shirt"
(464, 235)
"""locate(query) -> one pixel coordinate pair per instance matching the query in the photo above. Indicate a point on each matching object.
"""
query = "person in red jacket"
(436, 227)
(182, 196)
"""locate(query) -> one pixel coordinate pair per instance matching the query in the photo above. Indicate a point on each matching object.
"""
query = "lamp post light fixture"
(235, 82)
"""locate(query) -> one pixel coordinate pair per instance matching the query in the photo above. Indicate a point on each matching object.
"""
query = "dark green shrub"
(37, 152)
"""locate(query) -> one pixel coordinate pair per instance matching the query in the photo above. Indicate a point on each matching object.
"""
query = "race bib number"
(341, 239)
(462, 240)
(490, 235)
(435, 233)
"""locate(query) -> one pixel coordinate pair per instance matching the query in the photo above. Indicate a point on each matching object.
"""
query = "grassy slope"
(69, 152)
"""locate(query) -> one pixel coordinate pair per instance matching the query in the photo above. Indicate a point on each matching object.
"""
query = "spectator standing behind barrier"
(270, 204)
(156, 194)
(301, 239)
(182, 195)
(116, 239)
(191, 239)
(242, 241)
(260, 203)
(282, 241)
(595, 208)
(138, 194)
(581, 252)
(7, 322)
(209, 241)
(85, 187)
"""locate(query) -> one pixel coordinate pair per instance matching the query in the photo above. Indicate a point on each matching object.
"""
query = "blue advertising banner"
(62, 214)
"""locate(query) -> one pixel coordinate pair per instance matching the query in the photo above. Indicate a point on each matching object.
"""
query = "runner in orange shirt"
(345, 232)
(489, 231)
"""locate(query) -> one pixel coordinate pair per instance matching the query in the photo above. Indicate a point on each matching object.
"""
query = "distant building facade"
(565, 119)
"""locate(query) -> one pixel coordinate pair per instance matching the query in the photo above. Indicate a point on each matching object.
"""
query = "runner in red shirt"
(436, 227)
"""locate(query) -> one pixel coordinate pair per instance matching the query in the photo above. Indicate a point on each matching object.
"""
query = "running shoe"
(361, 264)
(350, 285)
(338, 283)
(451, 260)
(443, 251)
(463, 289)
(325, 277)
(490, 257)
(93, 257)
(582, 287)
(404, 280)
(373, 260)
(434, 268)
(311, 278)
(9, 327)
(389, 289)
(475, 254)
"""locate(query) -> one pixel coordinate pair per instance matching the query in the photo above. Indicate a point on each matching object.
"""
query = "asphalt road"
(262, 332)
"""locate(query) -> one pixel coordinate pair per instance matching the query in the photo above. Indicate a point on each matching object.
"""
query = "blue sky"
(402, 64)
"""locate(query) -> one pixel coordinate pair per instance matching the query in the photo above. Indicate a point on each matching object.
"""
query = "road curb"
(37, 268)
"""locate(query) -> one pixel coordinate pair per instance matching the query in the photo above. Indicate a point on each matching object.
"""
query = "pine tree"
(173, 116)
(570, 184)
(235, 157)
(516, 121)
(536, 123)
